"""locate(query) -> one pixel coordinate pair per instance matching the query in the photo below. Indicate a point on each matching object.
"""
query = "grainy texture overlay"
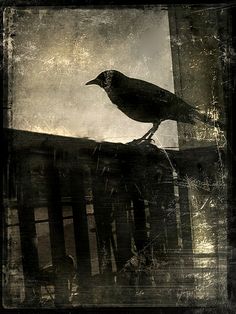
(95, 213)
(55, 52)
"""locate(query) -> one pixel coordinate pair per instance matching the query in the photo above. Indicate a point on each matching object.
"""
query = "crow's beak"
(92, 82)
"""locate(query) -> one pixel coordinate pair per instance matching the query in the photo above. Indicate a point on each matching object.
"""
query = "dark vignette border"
(230, 95)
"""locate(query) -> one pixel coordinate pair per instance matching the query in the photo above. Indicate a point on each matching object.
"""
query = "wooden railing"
(129, 205)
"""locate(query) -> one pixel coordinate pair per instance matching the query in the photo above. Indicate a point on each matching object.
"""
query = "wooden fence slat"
(56, 229)
(80, 226)
(28, 235)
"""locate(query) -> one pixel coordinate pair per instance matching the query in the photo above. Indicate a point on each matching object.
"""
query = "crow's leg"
(148, 135)
(151, 132)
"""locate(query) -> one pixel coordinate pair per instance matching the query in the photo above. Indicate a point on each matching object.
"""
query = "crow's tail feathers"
(205, 119)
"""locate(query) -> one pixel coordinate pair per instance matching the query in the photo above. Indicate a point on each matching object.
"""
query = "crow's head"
(106, 79)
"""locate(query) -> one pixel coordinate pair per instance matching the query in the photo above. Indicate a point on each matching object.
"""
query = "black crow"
(145, 102)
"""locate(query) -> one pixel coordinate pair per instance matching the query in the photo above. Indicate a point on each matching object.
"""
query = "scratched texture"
(154, 226)
(55, 52)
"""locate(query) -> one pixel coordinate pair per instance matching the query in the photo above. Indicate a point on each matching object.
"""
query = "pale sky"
(56, 51)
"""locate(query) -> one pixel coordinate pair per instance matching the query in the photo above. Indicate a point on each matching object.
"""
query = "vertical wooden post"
(140, 233)
(197, 63)
(80, 227)
(56, 233)
(123, 234)
(170, 209)
(28, 235)
(186, 228)
(141, 239)
(103, 213)
(157, 232)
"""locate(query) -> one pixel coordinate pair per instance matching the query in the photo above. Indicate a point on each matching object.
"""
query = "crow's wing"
(144, 101)
(142, 91)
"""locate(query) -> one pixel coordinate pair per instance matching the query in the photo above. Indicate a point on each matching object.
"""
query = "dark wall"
(199, 66)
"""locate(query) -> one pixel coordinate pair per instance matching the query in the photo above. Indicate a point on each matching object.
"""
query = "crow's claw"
(142, 141)
(150, 140)
(135, 142)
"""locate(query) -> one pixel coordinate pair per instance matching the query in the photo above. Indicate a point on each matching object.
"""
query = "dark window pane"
(41, 213)
(66, 211)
